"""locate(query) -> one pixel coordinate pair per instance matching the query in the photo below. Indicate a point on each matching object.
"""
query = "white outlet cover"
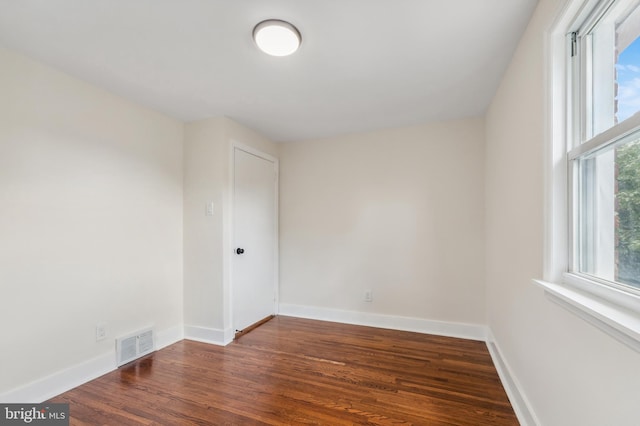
(101, 331)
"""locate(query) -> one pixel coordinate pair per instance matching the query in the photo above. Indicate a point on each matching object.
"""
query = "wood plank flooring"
(297, 371)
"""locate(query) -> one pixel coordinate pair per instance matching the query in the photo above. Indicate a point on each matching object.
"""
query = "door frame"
(229, 237)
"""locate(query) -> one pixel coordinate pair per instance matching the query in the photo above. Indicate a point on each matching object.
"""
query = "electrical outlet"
(368, 295)
(101, 331)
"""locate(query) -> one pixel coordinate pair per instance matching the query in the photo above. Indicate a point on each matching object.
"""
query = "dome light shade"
(277, 38)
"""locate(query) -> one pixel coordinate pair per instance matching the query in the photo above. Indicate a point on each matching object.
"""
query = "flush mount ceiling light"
(277, 38)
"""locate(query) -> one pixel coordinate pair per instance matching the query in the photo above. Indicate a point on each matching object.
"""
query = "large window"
(592, 199)
(604, 145)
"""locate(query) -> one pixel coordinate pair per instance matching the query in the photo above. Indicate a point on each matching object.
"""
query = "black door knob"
(239, 250)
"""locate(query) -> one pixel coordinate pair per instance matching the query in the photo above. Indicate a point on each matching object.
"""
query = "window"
(592, 250)
(604, 147)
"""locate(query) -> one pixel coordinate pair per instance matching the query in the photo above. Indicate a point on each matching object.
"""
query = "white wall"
(399, 211)
(204, 181)
(570, 372)
(207, 148)
(90, 220)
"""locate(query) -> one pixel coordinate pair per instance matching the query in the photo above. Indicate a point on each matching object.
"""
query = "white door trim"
(228, 235)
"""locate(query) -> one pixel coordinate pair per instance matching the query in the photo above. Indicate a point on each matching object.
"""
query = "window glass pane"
(628, 213)
(628, 67)
(596, 215)
(608, 212)
(612, 77)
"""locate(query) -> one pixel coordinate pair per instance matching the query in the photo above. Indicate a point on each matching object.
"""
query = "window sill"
(620, 322)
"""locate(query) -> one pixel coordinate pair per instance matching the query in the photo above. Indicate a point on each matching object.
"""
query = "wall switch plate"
(209, 210)
(101, 331)
(368, 295)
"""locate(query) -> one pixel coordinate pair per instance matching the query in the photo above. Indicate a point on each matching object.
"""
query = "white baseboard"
(208, 335)
(169, 336)
(418, 325)
(519, 401)
(62, 381)
(69, 378)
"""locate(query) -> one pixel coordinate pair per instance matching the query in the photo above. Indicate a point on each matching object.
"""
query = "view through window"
(627, 160)
(606, 156)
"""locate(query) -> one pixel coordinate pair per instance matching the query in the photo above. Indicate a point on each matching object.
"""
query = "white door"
(255, 237)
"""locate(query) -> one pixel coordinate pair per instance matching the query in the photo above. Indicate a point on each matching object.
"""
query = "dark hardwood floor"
(297, 371)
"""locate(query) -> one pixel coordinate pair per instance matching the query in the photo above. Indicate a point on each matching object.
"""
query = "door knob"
(239, 250)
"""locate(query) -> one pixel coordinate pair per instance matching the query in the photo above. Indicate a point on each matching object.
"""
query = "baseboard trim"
(418, 325)
(46, 388)
(213, 336)
(519, 401)
(62, 381)
(169, 336)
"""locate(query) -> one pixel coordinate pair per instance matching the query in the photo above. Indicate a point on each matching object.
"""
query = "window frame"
(615, 309)
(616, 134)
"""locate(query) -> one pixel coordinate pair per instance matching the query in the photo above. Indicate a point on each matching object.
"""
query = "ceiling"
(363, 64)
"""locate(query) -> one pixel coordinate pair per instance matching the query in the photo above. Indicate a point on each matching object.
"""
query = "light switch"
(210, 208)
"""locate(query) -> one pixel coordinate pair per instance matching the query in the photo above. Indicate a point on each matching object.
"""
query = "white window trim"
(613, 311)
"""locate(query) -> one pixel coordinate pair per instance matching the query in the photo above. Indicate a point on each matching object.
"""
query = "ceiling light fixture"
(277, 38)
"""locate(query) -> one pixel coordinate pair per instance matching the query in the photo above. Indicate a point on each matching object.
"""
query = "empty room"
(320, 212)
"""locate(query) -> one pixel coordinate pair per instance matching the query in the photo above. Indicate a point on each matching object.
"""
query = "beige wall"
(90, 220)
(207, 159)
(399, 211)
(98, 209)
(205, 181)
(571, 373)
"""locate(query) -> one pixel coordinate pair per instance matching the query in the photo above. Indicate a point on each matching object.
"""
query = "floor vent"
(134, 346)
